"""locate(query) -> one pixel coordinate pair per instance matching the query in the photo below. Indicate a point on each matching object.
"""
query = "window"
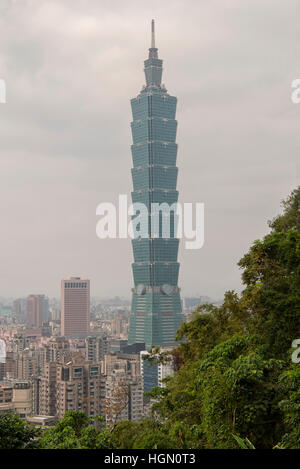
(94, 370)
(77, 372)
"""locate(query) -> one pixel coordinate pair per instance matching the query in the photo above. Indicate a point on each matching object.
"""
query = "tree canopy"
(14, 432)
(76, 431)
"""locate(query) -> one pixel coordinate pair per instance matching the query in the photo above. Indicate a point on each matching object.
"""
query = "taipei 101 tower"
(156, 305)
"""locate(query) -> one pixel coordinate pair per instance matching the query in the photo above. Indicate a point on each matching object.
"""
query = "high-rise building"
(19, 307)
(10, 365)
(46, 312)
(16, 396)
(47, 390)
(56, 348)
(149, 372)
(154, 372)
(35, 306)
(29, 362)
(78, 387)
(123, 397)
(96, 348)
(123, 388)
(156, 306)
(20, 342)
(75, 307)
(71, 383)
(117, 325)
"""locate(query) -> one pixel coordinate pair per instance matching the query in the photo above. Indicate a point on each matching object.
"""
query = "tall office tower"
(156, 306)
(75, 307)
(35, 305)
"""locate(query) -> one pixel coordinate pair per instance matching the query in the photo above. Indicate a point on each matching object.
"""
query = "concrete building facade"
(75, 307)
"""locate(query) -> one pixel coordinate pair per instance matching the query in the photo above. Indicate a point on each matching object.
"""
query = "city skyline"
(59, 163)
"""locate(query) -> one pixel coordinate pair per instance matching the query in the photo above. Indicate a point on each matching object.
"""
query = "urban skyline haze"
(70, 69)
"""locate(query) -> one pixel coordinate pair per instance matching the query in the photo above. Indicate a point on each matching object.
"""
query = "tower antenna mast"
(152, 35)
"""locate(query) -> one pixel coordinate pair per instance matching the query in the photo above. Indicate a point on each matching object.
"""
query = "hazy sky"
(71, 67)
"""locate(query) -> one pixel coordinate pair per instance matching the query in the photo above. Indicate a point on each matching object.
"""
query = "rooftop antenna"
(152, 35)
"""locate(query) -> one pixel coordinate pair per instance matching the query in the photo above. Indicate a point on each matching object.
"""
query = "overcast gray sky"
(71, 67)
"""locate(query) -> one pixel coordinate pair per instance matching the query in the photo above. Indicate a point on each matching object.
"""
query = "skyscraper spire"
(153, 49)
(152, 34)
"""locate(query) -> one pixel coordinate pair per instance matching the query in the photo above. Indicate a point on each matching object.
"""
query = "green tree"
(152, 435)
(14, 432)
(272, 293)
(211, 325)
(290, 406)
(91, 438)
(75, 431)
(239, 394)
(290, 219)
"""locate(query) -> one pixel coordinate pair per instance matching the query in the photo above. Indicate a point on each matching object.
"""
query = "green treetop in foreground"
(14, 432)
(76, 431)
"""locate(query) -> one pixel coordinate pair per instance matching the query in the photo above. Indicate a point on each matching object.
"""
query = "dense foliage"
(14, 432)
(76, 431)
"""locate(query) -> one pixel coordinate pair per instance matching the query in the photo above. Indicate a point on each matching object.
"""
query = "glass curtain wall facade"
(156, 305)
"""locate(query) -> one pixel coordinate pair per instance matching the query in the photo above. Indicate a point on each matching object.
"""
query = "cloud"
(71, 68)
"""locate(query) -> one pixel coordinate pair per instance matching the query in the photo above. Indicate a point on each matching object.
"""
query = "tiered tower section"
(156, 305)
